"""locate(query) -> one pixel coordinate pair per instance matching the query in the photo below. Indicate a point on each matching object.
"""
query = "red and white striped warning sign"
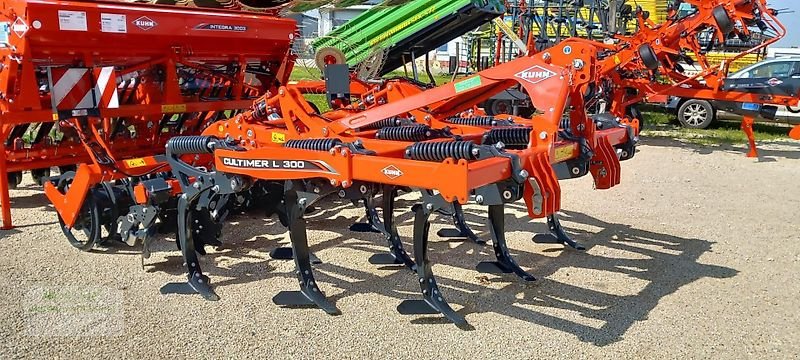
(83, 88)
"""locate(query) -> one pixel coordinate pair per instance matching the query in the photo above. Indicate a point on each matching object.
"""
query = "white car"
(700, 114)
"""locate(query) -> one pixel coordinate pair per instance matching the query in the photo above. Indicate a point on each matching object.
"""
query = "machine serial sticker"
(467, 84)
(72, 20)
(564, 153)
(113, 23)
(278, 138)
(134, 163)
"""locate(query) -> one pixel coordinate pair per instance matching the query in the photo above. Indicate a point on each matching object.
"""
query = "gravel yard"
(694, 255)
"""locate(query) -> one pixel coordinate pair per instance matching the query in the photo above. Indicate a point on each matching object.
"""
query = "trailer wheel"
(495, 107)
(86, 231)
(724, 21)
(696, 114)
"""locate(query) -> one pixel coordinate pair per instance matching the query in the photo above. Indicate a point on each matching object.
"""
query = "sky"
(790, 20)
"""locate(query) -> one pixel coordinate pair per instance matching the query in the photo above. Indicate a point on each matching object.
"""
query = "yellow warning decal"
(278, 138)
(564, 153)
(221, 128)
(175, 108)
(134, 163)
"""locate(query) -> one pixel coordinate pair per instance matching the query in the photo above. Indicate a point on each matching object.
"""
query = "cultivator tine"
(309, 293)
(557, 235)
(433, 299)
(373, 224)
(199, 282)
(397, 254)
(505, 263)
(462, 230)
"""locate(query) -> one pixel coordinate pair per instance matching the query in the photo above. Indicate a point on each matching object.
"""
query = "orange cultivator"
(411, 143)
(384, 143)
(105, 85)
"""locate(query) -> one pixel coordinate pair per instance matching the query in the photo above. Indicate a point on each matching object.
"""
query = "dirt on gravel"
(694, 255)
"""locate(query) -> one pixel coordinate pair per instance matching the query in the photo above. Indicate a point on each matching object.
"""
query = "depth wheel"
(86, 231)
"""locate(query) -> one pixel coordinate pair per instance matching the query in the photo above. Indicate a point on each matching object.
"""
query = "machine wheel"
(14, 179)
(40, 175)
(498, 107)
(649, 58)
(86, 232)
(696, 114)
(724, 21)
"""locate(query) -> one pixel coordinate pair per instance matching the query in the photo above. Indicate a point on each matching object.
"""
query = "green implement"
(398, 33)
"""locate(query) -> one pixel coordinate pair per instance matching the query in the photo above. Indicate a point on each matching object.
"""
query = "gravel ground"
(692, 256)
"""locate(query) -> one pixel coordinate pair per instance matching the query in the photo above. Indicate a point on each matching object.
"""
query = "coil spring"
(405, 133)
(473, 121)
(565, 123)
(313, 144)
(511, 136)
(260, 109)
(439, 151)
(180, 145)
(390, 122)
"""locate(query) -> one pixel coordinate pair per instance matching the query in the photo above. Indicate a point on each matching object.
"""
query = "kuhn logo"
(535, 74)
(392, 172)
(145, 23)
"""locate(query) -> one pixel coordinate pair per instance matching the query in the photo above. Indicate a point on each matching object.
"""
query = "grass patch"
(665, 125)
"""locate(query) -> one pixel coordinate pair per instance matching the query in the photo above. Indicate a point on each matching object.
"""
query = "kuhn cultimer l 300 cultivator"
(411, 142)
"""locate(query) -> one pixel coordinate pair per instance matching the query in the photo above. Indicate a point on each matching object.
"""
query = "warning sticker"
(113, 23)
(134, 163)
(72, 20)
(278, 138)
(564, 153)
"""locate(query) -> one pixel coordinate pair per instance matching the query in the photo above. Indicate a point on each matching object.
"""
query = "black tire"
(696, 114)
(494, 107)
(724, 21)
(649, 58)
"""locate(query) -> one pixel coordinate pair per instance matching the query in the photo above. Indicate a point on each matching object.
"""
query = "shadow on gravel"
(659, 265)
(599, 312)
(32, 201)
(764, 155)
